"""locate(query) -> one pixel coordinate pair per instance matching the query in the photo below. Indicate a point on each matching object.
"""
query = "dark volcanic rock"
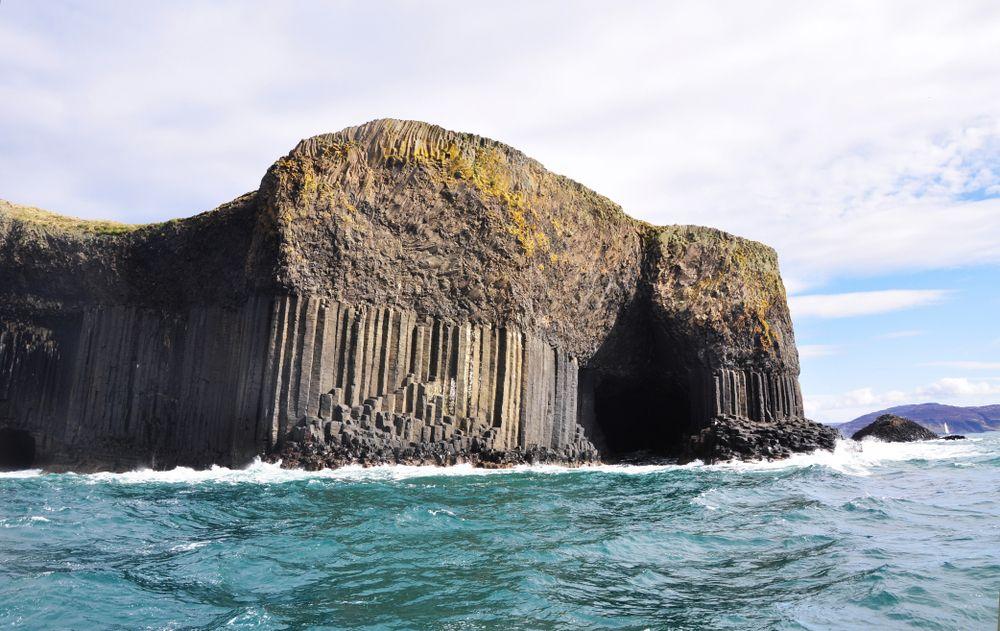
(394, 292)
(729, 438)
(896, 429)
(356, 445)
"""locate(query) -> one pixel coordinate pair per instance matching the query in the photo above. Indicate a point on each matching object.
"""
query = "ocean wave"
(24, 473)
(849, 457)
(187, 547)
(861, 458)
(784, 544)
(260, 472)
(24, 520)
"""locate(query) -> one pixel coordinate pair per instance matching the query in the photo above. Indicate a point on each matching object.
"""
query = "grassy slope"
(52, 221)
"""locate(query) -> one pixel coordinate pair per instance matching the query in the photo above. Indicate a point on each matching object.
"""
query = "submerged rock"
(895, 429)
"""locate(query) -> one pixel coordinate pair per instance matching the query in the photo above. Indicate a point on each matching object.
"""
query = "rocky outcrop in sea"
(892, 428)
(394, 292)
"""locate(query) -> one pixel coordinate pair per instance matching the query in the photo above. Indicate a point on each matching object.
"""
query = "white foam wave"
(259, 472)
(861, 458)
(849, 457)
(186, 547)
(23, 521)
(708, 499)
(24, 473)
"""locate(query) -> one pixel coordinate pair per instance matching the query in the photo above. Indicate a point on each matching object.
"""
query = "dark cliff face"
(214, 257)
(394, 291)
(453, 226)
(126, 346)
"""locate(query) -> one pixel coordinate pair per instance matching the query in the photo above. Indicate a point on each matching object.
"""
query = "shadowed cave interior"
(633, 398)
(17, 449)
(635, 416)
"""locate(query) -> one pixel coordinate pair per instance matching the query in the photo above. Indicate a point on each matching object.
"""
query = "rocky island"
(897, 429)
(394, 292)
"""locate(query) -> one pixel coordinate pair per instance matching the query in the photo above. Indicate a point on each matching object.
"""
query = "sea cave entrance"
(634, 415)
(17, 449)
(635, 392)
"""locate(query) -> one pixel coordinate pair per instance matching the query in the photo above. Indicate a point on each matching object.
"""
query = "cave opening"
(635, 415)
(635, 392)
(17, 449)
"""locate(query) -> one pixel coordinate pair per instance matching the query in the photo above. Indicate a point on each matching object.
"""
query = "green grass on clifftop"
(53, 221)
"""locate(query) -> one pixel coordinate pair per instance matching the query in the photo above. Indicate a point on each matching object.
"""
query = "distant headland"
(939, 418)
(394, 292)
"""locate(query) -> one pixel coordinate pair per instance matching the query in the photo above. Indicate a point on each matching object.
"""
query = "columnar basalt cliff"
(394, 292)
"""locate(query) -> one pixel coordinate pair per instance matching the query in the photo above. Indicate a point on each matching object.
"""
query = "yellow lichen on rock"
(449, 157)
(491, 176)
(739, 273)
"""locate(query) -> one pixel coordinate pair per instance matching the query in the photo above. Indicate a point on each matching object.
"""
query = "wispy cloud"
(965, 365)
(896, 335)
(863, 302)
(854, 399)
(809, 351)
(949, 387)
(880, 158)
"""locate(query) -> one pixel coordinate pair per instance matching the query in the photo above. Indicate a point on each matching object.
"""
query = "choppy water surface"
(877, 536)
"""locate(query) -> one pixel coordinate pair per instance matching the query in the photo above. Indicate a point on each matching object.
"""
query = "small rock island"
(394, 292)
(895, 429)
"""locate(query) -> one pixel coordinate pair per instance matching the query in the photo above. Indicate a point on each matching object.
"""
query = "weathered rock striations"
(394, 292)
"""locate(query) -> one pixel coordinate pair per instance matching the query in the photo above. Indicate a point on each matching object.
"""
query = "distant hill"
(933, 416)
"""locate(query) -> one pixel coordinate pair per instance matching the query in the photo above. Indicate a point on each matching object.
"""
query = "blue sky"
(861, 140)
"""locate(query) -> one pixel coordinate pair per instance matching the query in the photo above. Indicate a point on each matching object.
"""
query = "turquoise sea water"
(871, 536)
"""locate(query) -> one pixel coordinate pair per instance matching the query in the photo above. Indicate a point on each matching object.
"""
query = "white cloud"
(809, 351)
(958, 386)
(861, 398)
(863, 302)
(854, 403)
(855, 137)
(966, 365)
(896, 335)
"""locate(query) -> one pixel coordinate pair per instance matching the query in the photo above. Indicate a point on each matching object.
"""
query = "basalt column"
(421, 379)
(120, 387)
